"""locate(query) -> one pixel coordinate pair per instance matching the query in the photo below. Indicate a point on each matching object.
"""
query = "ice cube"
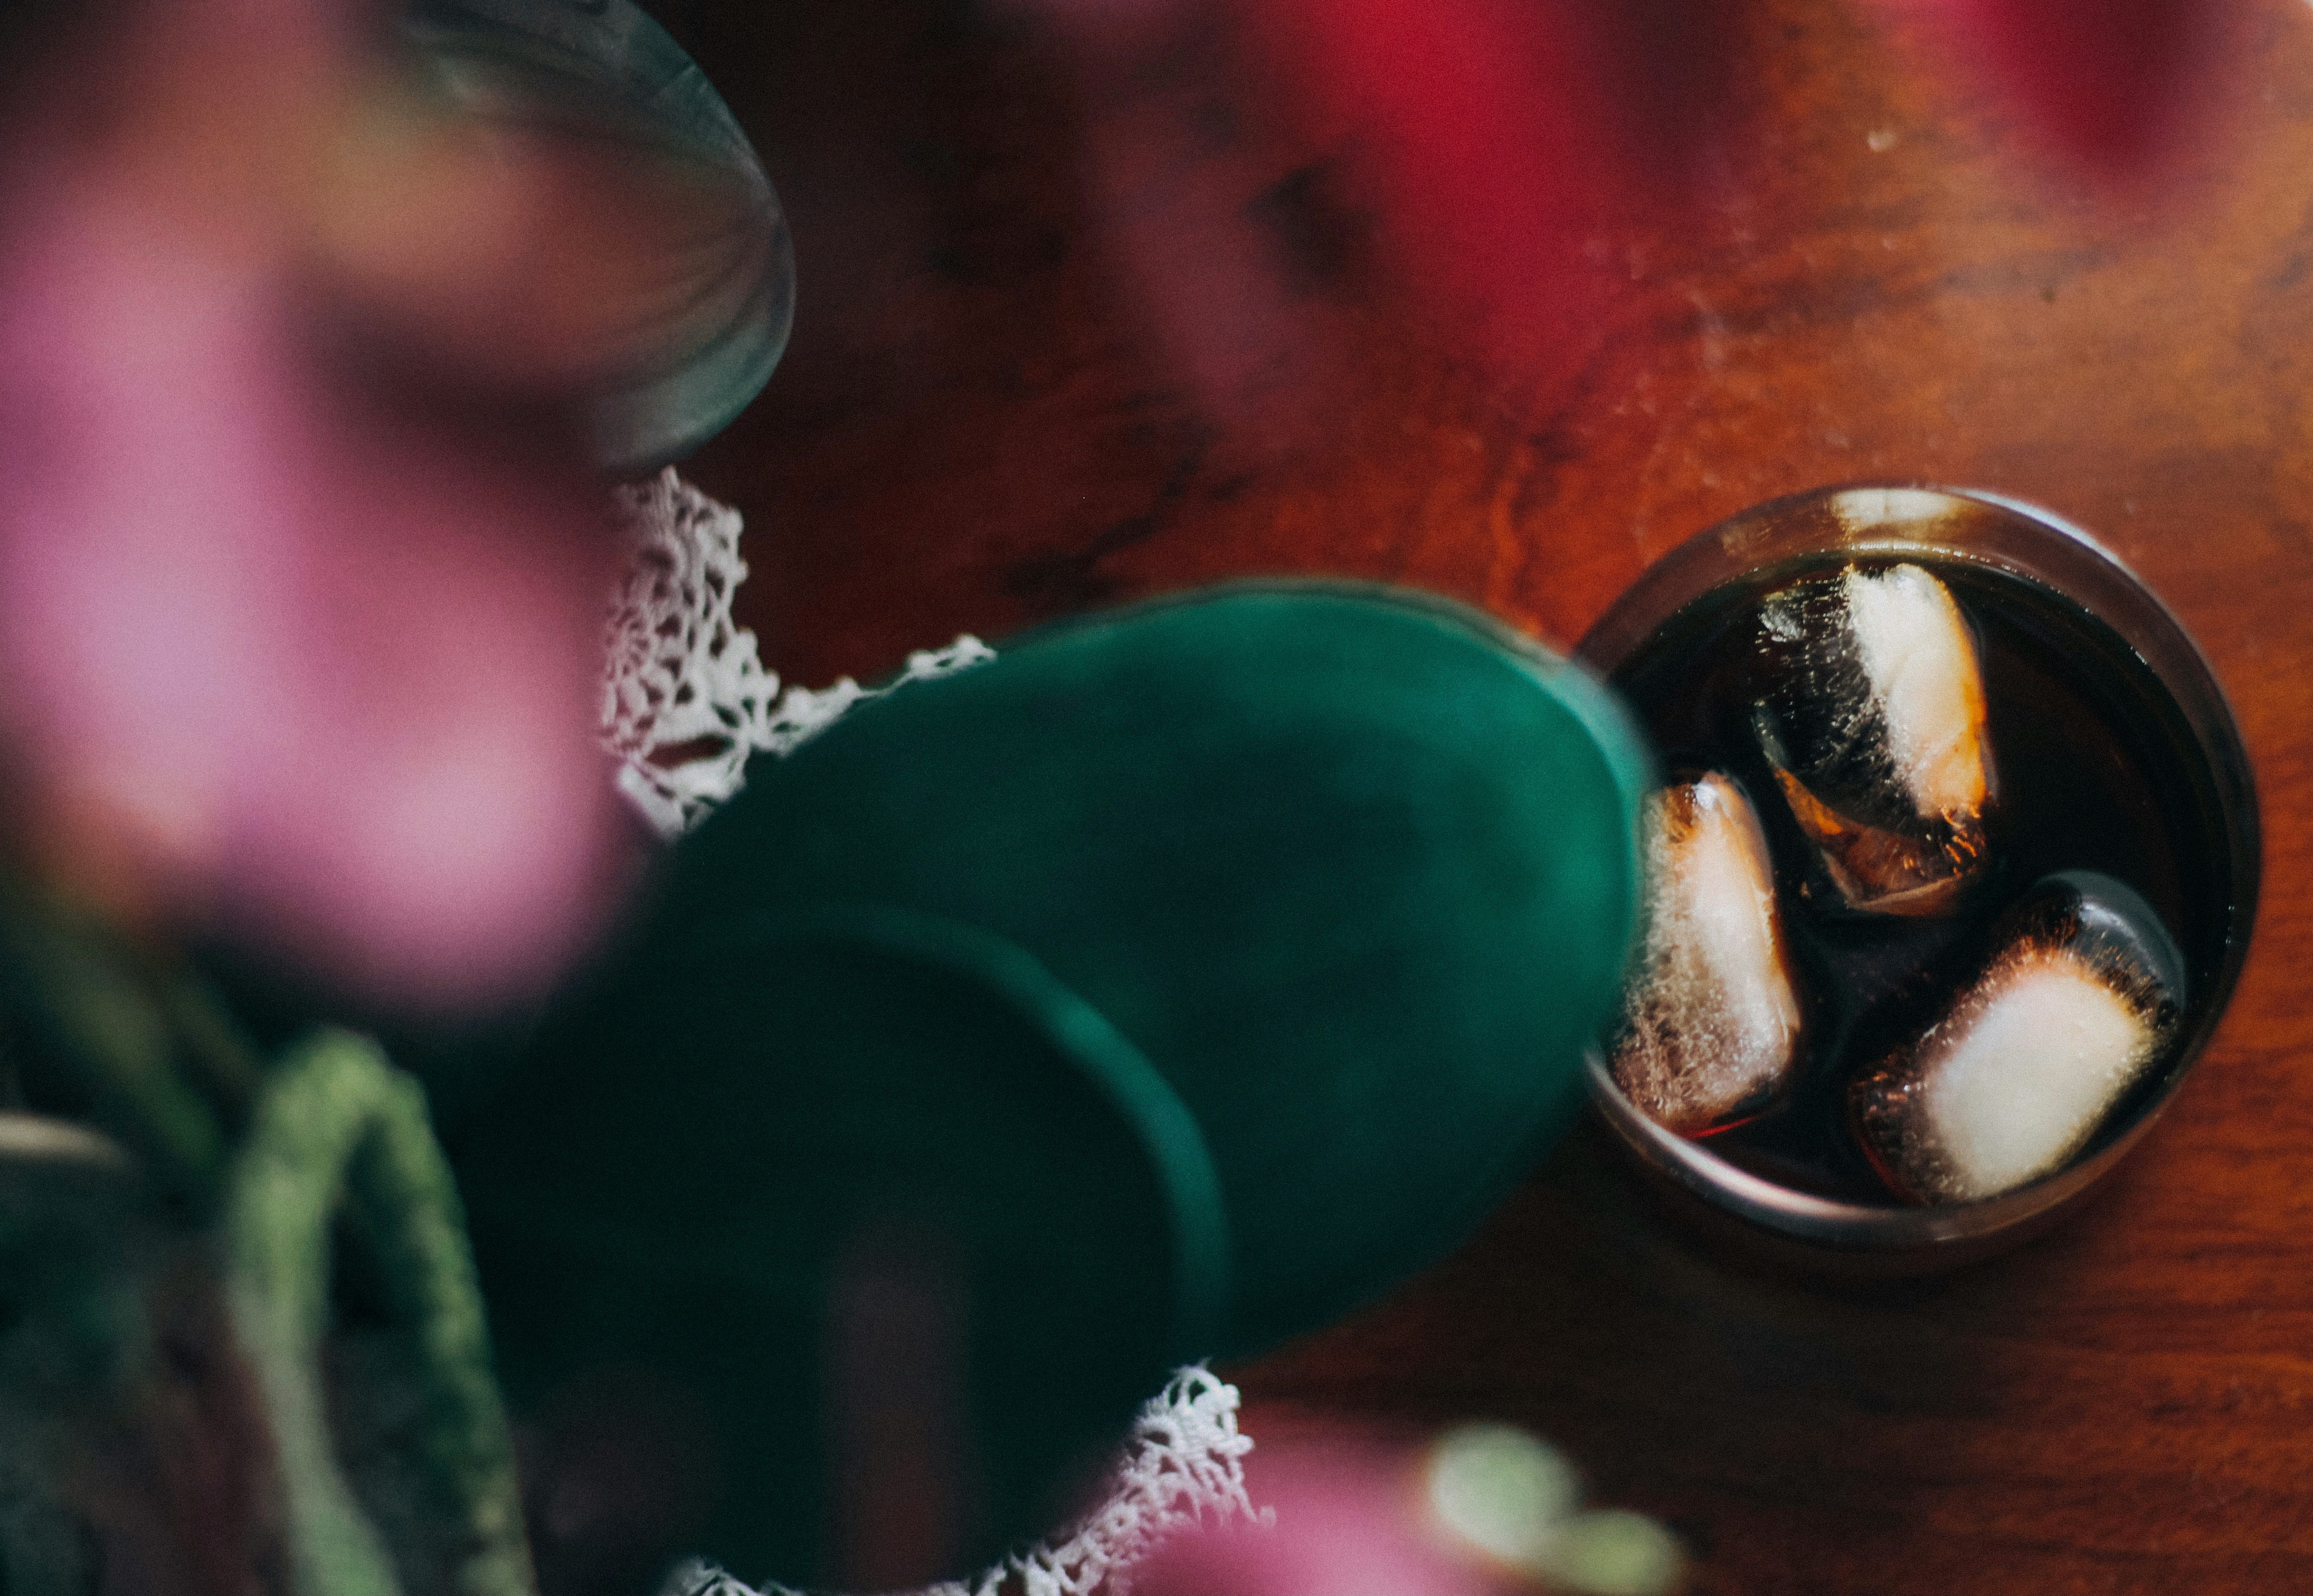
(1710, 1022)
(2082, 995)
(1873, 719)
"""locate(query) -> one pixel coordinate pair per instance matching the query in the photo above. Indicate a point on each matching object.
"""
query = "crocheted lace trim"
(1183, 1468)
(686, 701)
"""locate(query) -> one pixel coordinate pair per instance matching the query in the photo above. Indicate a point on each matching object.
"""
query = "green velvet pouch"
(1180, 980)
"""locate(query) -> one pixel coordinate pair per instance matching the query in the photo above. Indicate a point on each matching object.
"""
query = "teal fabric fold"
(1175, 983)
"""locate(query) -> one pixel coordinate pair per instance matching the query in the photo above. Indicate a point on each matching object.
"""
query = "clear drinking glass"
(704, 339)
(2133, 666)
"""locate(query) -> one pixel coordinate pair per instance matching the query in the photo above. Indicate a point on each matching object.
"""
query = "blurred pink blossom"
(1349, 1516)
(281, 652)
(1496, 145)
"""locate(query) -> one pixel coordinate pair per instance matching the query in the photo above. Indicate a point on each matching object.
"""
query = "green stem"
(334, 1119)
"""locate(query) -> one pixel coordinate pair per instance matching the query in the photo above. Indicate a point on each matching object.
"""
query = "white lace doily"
(686, 702)
(1183, 1468)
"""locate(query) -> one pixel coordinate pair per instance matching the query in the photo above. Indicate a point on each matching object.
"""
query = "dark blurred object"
(617, 1472)
(72, 1217)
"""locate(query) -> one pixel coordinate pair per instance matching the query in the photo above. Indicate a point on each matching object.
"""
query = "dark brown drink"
(2098, 770)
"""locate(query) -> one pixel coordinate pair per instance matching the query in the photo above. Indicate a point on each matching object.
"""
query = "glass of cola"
(1951, 872)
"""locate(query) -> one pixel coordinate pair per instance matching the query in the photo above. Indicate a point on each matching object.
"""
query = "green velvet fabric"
(1182, 980)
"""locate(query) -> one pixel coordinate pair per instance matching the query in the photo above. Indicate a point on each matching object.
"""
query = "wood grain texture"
(1003, 404)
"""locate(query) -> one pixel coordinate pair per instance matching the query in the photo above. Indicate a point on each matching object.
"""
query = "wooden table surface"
(1027, 382)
